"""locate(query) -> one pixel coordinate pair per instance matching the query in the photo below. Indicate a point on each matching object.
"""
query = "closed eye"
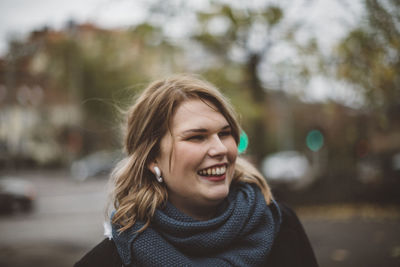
(225, 133)
(196, 138)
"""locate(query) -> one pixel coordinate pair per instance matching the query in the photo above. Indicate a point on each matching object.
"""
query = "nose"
(217, 147)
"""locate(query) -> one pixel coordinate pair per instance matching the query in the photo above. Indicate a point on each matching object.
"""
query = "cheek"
(187, 156)
(232, 150)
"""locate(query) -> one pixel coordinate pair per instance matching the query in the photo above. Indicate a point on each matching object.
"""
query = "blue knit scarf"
(241, 234)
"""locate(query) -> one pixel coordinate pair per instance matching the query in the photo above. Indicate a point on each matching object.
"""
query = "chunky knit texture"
(240, 235)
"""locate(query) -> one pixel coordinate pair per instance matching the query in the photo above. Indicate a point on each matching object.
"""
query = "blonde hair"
(137, 194)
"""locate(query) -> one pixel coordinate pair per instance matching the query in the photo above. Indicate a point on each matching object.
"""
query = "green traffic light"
(315, 140)
(243, 142)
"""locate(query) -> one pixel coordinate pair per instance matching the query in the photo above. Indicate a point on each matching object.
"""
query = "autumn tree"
(369, 59)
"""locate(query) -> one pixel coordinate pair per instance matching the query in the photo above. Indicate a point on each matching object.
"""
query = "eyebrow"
(203, 130)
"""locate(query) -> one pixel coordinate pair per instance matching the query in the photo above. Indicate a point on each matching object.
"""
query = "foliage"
(95, 70)
(369, 57)
(98, 70)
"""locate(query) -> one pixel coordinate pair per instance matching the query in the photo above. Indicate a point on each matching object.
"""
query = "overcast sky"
(18, 17)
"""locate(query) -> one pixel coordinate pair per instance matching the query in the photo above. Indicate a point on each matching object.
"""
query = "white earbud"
(158, 174)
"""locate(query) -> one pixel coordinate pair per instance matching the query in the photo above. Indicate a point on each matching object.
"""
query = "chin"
(218, 193)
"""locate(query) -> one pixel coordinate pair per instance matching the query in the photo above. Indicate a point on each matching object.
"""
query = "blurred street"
(68, 216)
(66, 221)
(354, 241)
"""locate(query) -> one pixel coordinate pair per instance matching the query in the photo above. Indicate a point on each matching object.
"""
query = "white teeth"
(213, 171)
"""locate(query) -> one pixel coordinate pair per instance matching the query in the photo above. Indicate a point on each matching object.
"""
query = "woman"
(183, 197)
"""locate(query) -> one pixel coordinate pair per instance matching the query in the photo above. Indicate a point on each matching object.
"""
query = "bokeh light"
(315, 140)
(243, 142)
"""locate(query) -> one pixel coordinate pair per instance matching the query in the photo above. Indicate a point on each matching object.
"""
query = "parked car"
(289, 167)
(16, 195)
(95, 164)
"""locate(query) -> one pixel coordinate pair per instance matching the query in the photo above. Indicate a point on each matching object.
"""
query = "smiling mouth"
(213, 171)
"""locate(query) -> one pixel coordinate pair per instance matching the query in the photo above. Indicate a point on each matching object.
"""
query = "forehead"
(196, 113)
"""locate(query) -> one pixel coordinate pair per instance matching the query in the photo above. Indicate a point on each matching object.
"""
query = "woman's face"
(202, 153)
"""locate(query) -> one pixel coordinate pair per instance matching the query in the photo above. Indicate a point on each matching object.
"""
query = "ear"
(151, 166)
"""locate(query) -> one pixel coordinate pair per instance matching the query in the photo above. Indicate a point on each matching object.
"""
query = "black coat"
(291, 247)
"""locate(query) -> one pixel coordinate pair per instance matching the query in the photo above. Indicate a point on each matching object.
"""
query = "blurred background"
(316, 84)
